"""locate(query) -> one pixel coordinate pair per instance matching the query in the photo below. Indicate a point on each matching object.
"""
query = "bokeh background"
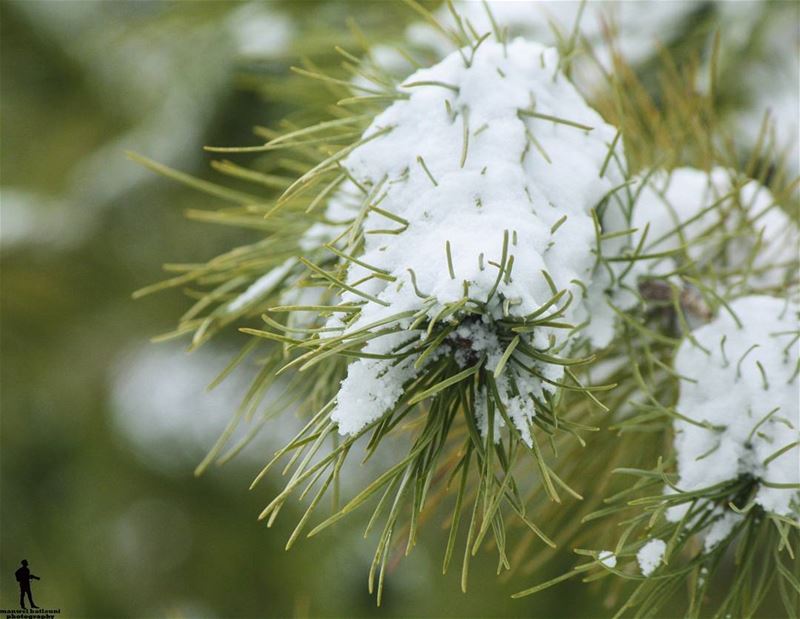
(101, 429)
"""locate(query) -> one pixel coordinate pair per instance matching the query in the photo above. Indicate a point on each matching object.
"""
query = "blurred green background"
(101, 430)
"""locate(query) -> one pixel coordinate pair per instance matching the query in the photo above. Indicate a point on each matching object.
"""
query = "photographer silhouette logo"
(24, 576)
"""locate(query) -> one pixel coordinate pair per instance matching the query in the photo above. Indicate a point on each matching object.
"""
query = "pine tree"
(563, 318)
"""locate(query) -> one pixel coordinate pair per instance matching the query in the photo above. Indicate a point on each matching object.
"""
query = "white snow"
(744, 387)
(759, 47)
(373, 386)
(607, 558)
(650, 555)
(638, 27)
(535, 192)
(681, 206)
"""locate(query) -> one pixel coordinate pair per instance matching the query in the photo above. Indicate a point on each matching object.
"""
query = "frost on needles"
(477, 189)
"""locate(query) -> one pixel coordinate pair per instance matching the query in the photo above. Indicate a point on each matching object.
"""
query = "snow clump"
(688, 204)
(740, 391)
(650, 556)
(483, 179)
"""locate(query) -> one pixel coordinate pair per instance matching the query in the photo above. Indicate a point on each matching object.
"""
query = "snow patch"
(650, 556)
(741, 395)
(607, 558)
(685, 204)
